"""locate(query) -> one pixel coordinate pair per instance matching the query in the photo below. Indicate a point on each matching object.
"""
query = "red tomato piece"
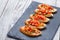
(34, 22)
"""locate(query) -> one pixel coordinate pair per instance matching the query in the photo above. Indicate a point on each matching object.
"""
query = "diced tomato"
(29, 29)
(43, 13)
(42, 17)
(36, 18)
(45, 7)
(39, 17)
(34, 22)
(43, 10)
(49, 12)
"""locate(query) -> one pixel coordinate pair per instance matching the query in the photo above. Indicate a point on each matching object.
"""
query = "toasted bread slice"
(37, 11)
(40, 20)
(46, 5)
(30, 32)
(40, 26)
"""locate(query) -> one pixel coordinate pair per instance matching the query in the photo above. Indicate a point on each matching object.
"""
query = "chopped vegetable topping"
(39, 17)
(34, 22)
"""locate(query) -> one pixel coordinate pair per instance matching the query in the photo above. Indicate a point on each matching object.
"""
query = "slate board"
(47, 34)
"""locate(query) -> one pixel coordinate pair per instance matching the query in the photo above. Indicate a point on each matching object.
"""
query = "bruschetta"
(47, 7)
(35, 23)
(43, 12)
(40, 18)
(30, 31)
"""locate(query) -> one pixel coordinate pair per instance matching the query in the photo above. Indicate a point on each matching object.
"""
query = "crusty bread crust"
(54, 10)
(41, 27)
(26, 22)
(49, 15)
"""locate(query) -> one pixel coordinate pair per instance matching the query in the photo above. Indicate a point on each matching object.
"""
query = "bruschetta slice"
(47, 7)
(40, 18)
(43, 12)
(35, 23)
(30, 31)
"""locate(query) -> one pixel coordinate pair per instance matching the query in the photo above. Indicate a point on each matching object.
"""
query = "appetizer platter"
(36, 23)
(36, 20)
